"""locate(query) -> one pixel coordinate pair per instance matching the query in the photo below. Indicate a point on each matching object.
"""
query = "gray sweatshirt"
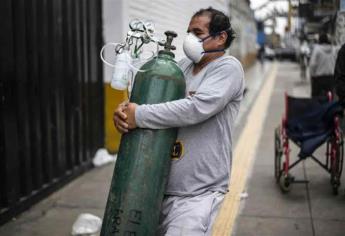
(205, 119)
(322, 60)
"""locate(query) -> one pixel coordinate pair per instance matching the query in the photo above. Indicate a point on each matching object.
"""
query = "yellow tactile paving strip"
(243, 158)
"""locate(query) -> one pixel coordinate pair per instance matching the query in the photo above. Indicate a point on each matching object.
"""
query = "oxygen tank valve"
(170, 36)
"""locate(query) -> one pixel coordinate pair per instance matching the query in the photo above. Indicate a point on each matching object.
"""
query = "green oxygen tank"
(143, 161)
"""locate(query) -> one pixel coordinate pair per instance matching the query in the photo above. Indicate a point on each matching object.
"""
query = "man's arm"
(225, 84)
(339, 74)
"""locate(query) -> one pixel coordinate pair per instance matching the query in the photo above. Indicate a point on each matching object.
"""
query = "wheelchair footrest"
(300, 181)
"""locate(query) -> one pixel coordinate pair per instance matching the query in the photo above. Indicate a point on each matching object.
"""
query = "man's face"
(199, 27)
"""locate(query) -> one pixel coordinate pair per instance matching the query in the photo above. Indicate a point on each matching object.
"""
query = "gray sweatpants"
(189, 216)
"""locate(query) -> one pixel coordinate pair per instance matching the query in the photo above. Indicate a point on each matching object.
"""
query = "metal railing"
(51, 90)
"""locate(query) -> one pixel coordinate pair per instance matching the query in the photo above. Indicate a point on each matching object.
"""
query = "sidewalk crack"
(309, 200)
(75, 206)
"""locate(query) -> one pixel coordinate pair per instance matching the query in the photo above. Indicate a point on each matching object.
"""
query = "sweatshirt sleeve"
(223, 84)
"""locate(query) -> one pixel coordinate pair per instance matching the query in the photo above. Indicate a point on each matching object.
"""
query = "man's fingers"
(122, 124)
(120, 117)
(123, 106)
(120, 113)
(122, 130)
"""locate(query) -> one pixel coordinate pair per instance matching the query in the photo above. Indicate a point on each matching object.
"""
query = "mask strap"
(216, 50)
(212, 35)
(202, 40)
(215, 34)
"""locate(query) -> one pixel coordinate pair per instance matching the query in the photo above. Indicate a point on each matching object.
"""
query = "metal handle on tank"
(167, 44)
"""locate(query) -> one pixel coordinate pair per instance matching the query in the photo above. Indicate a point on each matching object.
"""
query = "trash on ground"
(86, 225)
(103, 157)
(244, 195)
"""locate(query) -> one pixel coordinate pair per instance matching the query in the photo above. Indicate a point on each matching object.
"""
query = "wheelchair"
(309, 123)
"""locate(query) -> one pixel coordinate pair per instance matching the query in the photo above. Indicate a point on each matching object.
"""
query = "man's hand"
(124, 117)
(130, 112)
(120, 118)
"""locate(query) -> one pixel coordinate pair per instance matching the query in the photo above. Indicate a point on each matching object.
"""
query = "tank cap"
(167, 44)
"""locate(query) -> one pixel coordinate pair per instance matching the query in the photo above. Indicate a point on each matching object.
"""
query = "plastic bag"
(86, 225)
(102, 157)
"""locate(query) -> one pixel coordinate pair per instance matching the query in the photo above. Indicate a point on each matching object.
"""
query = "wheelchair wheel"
(285, 183)
(337, 163)
(277, 154)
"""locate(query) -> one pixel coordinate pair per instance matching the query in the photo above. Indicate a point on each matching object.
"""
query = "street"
(254, 206)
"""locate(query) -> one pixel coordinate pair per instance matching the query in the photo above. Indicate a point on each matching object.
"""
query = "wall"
(242, 18)
(340, 28)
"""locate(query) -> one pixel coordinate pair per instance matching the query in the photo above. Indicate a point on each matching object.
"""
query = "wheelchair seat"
(310, 122)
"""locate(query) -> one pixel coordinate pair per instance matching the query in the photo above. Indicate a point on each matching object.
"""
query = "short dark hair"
(219, 23)
(323, 39)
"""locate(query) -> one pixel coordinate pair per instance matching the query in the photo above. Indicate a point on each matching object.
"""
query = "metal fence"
(51, 96)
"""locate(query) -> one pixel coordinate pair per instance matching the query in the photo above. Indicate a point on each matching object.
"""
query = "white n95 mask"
(193, 48)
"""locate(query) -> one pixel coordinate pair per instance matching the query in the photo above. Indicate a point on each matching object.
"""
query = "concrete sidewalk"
(55, 215)
(309, 209)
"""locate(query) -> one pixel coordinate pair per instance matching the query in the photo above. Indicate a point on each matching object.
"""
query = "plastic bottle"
(120, 77)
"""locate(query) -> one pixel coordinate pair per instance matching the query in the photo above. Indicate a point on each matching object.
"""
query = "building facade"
(243, 21)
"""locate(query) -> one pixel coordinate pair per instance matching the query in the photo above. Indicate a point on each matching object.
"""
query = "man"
(199, 178)
(304, 53)
(322, 62)
(339, 75)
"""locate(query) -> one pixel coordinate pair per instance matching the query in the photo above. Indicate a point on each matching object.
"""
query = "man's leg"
(189, 216)
(214, 213)
(313, 87)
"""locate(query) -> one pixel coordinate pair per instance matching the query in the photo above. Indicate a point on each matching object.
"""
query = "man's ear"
(223, 36)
